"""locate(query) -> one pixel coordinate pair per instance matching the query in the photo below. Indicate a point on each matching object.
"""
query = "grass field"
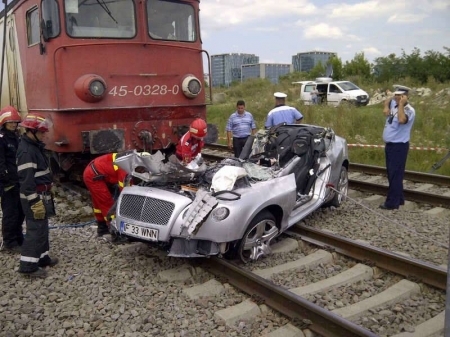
(362, 125)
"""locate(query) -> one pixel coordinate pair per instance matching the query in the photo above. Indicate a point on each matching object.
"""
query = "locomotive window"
(100, 19)
(169, 20)
(50, 18)
(33, 26)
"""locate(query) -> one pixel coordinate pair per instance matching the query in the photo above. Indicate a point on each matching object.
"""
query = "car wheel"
(256, 240)
(342, 188)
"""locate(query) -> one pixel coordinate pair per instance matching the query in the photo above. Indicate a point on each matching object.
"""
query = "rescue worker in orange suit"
(35, 181)
(191, 144)
(9, 181)
(99, 176)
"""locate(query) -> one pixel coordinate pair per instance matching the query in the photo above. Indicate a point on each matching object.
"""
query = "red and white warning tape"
(423, 148)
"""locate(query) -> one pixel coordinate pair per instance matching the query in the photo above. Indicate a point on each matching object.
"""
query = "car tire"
(256, 240)
(342, 188)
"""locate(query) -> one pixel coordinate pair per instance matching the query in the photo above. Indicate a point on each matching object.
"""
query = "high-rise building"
(226, 68)
(271, 71)
(308, 60)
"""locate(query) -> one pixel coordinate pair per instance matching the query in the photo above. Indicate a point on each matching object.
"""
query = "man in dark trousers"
(35, 195)
(9, 181)
(240, 126)
(397, 130)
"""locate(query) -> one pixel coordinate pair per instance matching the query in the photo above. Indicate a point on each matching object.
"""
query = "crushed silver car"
(236, 207)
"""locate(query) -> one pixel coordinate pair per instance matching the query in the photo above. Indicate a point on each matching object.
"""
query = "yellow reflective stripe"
(96, 210)
(120, 183)
(107, 218)
(114, 159)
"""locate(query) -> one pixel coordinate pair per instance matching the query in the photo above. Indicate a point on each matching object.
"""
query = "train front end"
(114, 75)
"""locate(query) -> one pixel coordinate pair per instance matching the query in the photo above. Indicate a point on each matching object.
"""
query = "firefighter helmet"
(198, 128)
(36, 122)
(9, 114)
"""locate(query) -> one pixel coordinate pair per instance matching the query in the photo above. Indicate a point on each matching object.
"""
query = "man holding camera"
(397, 130)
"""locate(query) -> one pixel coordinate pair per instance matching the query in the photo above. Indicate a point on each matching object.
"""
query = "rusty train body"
(111, 75)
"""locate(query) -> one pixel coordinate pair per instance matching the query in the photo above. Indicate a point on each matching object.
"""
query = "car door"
(334, 94)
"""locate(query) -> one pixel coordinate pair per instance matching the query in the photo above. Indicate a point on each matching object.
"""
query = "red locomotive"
(111, 75)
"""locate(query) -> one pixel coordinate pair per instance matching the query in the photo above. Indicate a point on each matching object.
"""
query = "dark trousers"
(238, 145)
(12, 218)
(396, 154)
(36, 245)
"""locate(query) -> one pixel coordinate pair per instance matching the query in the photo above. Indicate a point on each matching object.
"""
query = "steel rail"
(408, 267)
(322, 321)
(420, 177)
(411, 195)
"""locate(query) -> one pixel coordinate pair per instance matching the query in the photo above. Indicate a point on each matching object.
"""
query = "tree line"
(432, 65)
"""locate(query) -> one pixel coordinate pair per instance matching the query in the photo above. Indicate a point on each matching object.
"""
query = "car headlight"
(220, 213)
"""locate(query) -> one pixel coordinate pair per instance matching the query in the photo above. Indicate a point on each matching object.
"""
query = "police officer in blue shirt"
(282, 113)
(397, 130)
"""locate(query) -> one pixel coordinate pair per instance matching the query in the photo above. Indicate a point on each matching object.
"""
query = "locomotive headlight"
(220, 213)
(97, 88)
(90, 88)
(191, 86)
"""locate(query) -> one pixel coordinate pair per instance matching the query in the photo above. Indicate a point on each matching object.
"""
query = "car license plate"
(139, 231)
(363, 100)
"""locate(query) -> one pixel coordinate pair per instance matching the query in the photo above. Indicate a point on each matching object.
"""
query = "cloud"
(326, 31)
(371, 51)
(406, 18)
(221, 14)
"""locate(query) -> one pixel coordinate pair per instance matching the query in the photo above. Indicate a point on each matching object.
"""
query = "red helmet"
(198, 128)
(9, 114)
(36, 122)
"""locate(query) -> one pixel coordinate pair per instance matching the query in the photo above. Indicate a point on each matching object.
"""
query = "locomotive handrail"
(209, 76)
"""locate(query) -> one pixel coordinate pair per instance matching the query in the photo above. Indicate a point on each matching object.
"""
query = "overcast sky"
(275, 30)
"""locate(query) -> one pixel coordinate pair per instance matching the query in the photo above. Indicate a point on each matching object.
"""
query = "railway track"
(302, 304)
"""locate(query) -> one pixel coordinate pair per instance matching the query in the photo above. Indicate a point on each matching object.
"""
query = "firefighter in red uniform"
(191, 144)
(99, 176)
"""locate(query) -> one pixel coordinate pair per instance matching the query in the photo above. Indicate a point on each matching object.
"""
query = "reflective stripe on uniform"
(26, 166)
(29, 197)
(121, 184)
(96, 210)
(44, 254)
(113, 160)
(29, 259)
(41, 173)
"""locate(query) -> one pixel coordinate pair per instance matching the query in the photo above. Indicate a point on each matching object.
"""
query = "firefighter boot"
(102, 228)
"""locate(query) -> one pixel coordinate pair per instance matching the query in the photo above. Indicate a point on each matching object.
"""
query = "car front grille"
(360, 97)
(146, 209)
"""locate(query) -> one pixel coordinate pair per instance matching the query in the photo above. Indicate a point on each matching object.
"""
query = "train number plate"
(140, 232)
